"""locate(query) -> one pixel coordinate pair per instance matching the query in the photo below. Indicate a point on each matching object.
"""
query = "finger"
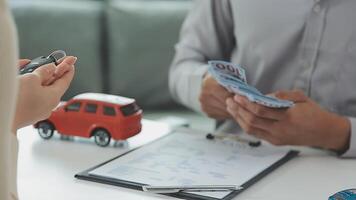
(60, 85)
(45, 73)
(211, 86)
(216, 111)
(218, 103)
(23, 62)
(258, 133)
(65, 66)
(250, 118)
(207, 101)
(264, 134)
(222, 94)
(260, 110)
(295, 95)
(218, 114)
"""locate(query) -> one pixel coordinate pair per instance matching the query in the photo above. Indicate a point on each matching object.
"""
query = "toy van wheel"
(102, 137)
(45, 130)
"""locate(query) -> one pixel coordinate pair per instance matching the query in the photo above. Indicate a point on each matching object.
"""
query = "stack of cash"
(233, 78)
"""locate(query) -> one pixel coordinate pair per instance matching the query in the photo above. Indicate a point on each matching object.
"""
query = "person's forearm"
(8, 62)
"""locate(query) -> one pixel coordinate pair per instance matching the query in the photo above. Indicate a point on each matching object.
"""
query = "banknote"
(233, 78)
(228, 69)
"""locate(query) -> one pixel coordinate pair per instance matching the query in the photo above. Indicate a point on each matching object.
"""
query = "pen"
(211, 136)
(193, 188)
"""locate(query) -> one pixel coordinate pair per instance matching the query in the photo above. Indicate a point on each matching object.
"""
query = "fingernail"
(72, 61)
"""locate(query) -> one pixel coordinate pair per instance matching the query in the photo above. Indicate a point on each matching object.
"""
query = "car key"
(55, 57)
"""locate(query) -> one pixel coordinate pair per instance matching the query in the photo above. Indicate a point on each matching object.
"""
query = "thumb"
(45, 73)
(23, 62)
(65, 66)
(60, 85)
(295, 95)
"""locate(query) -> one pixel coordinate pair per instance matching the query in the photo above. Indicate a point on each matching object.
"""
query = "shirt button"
(317, 8)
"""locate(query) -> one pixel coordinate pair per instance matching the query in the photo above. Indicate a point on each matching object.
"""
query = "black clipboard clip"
(211, 136)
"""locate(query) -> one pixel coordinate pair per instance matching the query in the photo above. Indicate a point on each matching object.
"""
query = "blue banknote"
(233, 78)
(228, 69)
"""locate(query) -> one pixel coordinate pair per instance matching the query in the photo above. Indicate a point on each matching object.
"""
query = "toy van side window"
(91, 108)
(73, 107)
(109, 111)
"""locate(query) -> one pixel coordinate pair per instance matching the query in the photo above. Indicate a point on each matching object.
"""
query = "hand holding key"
(41, 90)
(55, 57)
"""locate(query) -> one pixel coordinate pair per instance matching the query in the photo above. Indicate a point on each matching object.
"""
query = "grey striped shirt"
(282, 44)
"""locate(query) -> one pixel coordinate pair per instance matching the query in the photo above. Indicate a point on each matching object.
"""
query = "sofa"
(124, 47)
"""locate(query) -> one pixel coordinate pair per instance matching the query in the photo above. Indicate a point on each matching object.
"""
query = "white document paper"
(184, 158)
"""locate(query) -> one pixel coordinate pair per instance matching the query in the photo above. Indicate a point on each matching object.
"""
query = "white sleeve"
(207, 34)
(351, 152)
(8, 92)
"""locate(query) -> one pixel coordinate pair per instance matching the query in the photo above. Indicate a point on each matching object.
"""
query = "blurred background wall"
(124, 46)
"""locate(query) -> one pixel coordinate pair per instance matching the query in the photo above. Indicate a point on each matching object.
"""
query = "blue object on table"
(349, 194)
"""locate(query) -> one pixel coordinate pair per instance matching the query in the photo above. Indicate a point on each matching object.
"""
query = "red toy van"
(102, 116)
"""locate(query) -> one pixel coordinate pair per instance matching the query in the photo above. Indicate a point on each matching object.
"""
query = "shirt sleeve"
(351, 152)
(206, 34)
(8, 91)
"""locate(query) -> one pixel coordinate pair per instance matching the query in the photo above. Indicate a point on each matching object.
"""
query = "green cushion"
(73, 26)
(142, 35)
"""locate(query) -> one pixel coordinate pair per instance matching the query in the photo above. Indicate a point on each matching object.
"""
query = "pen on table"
(211, 136)
(195, 188)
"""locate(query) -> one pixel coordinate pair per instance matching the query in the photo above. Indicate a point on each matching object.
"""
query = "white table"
(46, 171)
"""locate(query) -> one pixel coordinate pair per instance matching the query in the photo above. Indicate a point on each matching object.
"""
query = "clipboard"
(93, 174)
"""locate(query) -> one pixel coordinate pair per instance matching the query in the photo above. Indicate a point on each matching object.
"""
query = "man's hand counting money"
(233, 78)
(213, 99)
(305, 123)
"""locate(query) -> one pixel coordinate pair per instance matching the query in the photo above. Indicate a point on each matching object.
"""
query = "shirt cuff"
(351, 152)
